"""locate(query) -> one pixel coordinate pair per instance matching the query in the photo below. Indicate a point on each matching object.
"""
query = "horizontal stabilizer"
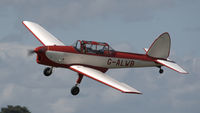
(172, 65)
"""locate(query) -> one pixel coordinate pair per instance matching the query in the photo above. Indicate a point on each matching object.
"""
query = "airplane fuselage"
(65, 56)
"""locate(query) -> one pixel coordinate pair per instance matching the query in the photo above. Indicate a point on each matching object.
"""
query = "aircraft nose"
(40, 50)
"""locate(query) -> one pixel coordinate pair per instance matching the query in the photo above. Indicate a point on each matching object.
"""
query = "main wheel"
(47, 71)
(161, 71)
(75, 90)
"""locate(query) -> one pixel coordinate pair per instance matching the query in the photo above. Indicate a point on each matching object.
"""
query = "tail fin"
(160, 47)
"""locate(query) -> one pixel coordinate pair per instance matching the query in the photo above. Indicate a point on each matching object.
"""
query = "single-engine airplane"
(92, 59)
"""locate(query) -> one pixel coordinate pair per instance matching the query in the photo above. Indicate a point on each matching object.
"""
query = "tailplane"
(172, 65)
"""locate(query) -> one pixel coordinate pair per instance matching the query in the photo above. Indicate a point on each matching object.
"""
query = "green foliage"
(14, 109)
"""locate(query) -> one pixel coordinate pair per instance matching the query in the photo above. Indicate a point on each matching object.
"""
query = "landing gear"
(75, 90)
(48, 71)
(161, 70)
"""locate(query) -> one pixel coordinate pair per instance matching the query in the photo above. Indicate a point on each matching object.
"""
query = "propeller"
(37, 50)
(31, 52)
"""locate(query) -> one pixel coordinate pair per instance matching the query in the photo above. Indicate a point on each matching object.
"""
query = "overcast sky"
(127, 25)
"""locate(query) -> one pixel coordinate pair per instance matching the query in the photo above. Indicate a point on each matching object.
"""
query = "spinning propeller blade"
(31, 52)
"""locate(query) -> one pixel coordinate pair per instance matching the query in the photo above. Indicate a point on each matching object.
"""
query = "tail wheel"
(75, 90)
(48, 71)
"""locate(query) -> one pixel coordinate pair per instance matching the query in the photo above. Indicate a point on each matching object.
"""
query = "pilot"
(83, 47)
(101, 51)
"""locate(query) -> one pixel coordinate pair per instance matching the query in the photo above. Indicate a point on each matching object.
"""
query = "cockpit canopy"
(93, 47)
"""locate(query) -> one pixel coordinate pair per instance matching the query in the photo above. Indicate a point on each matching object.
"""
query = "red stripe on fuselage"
(69, 49)
(133, 56)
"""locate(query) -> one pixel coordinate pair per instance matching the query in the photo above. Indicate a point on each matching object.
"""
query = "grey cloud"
(74, 11)
(62, 106)
(192, 29)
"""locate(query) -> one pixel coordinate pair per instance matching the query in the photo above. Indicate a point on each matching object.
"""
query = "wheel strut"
(80, 77)
(75, 89)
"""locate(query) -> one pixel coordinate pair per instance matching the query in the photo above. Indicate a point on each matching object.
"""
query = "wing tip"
(27, 22)
(24, 22)
(133, 92)
(184, 72)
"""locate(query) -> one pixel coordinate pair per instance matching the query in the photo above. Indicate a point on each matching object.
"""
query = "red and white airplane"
(92, 59)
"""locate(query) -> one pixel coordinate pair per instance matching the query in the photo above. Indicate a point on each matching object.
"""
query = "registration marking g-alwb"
(121, 62)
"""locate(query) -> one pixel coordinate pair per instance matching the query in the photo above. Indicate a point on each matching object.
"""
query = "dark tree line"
(14, 109)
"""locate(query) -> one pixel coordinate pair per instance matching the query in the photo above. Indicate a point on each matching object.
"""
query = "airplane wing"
(46, 38)
(172, 65)
(103, 78)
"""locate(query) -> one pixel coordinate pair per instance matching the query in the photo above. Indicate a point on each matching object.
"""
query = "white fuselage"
(97, 61)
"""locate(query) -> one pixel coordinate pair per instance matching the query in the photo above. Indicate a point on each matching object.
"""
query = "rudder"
(160, 47)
